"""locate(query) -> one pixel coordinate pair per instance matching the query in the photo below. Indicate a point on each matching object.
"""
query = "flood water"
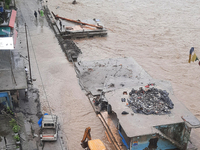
(157, 34)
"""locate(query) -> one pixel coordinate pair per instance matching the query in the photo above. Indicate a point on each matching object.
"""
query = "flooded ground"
(52, 71)
(157, 34)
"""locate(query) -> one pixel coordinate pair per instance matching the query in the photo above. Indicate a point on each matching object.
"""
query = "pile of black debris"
(151, 101)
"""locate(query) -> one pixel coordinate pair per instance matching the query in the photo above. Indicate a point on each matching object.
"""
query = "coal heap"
(151, 101)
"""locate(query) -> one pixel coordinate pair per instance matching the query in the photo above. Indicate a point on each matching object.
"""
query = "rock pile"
(151, 101)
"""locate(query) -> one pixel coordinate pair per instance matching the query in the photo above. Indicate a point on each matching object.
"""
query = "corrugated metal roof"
(12, 18)
(12, 73)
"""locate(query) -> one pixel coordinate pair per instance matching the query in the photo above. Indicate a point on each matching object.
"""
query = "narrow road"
(52, 71)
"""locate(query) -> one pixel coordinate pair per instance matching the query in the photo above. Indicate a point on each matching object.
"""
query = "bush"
(13, 123)
(9, 111)
(16, 137)
(16, 128)
(6, 6)
(7, 2)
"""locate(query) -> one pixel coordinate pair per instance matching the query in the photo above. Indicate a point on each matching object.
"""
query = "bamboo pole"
(79, 22)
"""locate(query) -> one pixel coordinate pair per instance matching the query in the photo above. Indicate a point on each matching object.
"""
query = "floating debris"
(151, 101)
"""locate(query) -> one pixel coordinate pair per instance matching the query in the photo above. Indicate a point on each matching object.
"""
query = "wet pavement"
(52, 71)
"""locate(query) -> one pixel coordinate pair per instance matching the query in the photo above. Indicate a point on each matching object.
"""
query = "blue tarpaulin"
(4, 31)
(40, 121)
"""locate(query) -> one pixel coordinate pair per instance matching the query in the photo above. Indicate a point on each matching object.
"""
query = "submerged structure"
(152, 131)
(70, 28)
(147, 114)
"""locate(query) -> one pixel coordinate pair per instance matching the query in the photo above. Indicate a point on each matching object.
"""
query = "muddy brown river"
(157, 34)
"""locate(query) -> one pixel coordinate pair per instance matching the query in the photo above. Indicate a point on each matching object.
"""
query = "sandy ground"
(157, 34)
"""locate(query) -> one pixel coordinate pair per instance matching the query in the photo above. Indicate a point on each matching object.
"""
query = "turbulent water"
(157, 34)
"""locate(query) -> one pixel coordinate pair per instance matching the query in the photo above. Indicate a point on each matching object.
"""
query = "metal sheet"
(6, 43)
(12, 19)
(12, 73)
(192, 120)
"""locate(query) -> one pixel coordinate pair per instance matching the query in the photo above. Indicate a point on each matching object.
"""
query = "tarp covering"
(15, 37)
(12, 19)
(4, 31)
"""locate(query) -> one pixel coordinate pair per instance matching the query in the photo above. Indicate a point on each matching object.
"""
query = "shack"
(8, 33)
(140, 131)
(107, 81)
(12, 78)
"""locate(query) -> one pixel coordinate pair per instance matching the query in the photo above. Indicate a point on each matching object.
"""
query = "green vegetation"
(16, 128)
(9, 111)
(7, 3)
(17, 138)
(13, 123)
(6, 6)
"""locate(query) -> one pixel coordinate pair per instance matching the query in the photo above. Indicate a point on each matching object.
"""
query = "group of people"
(40, 12)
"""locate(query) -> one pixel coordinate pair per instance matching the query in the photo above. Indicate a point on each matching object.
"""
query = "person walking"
(26, 71)
(41, 13)
(25, 93)
(35, 14)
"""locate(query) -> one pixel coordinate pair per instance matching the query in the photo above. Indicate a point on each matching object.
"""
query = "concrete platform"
(110, 74)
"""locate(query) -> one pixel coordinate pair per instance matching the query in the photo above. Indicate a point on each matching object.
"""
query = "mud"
(157, 34)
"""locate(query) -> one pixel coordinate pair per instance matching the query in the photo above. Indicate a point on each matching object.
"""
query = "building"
(12, 73)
